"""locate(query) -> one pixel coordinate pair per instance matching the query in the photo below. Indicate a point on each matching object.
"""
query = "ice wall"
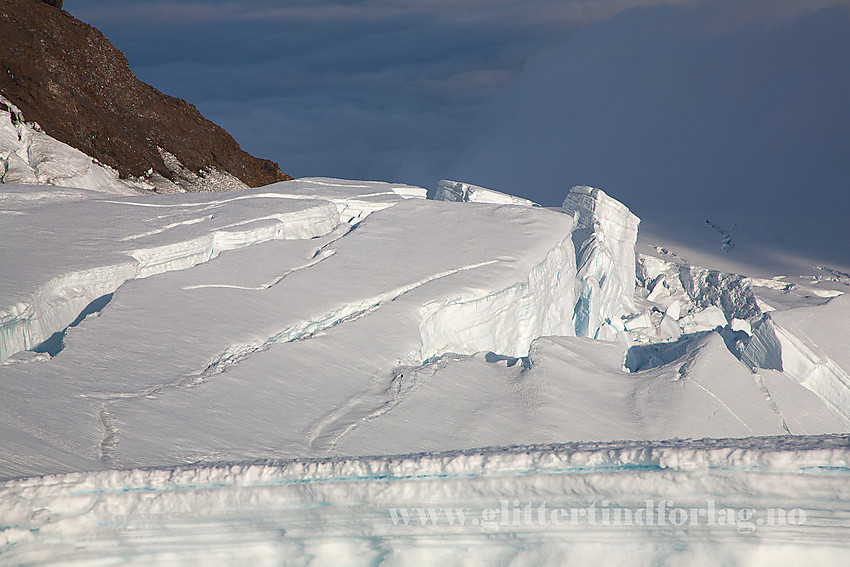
(468, 193)
(603, 242)
(604, 238)
(508, 320)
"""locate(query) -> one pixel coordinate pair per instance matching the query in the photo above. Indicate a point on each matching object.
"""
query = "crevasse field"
(344, 372)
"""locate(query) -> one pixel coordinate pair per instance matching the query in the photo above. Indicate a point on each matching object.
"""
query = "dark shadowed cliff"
(66, 76)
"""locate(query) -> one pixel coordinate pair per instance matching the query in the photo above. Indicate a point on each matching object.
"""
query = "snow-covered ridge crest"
(507, 321)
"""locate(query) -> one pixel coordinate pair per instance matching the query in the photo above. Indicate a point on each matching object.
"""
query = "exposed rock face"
(67, 77)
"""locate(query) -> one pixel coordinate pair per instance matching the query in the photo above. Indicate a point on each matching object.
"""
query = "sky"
(665, 104)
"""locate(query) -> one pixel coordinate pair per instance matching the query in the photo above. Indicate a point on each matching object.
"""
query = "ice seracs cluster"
(29, 156)
(604, 236)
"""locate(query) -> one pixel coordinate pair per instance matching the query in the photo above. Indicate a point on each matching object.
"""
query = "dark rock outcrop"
(66, 76)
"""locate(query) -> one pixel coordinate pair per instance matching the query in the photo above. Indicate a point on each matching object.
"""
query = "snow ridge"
(340, 509)
(468, 193)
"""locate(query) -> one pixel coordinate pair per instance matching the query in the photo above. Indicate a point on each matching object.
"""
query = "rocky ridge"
(68, 78)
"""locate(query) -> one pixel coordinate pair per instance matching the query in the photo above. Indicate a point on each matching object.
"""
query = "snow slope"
(309, 301)
(28, 156)
(88, 246)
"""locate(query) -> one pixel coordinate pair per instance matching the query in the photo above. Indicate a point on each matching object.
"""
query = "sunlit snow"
(276, 372)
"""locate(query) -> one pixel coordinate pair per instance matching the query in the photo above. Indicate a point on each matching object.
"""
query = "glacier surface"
(163, 353)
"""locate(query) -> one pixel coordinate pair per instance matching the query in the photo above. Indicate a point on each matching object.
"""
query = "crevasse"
(58, 302)
(775, 348)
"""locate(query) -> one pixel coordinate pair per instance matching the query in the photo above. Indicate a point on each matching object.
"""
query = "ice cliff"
(604, 240)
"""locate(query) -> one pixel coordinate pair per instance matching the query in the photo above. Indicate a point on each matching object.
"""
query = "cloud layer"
(660, 98)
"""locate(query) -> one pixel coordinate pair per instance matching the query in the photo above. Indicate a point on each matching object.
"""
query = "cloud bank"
(683, 101)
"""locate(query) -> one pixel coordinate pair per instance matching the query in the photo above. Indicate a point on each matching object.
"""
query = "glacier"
(300, 359)
(372, 325)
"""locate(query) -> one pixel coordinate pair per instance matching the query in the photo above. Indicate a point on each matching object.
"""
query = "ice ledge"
(468, 193)
(57, 303)
(593, 206)
(784, 453)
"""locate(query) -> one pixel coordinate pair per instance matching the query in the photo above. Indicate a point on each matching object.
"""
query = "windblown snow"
(331, 323)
